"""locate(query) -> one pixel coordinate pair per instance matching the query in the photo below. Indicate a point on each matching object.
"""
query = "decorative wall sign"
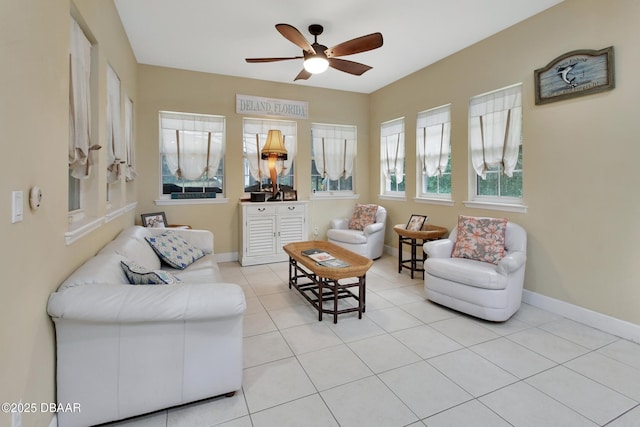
(246, 104)
(577, 73)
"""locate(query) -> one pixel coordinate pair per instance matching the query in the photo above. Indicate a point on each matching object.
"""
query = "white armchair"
(368, 242)
(481, 289)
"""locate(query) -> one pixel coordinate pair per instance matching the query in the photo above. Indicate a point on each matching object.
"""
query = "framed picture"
(289, 195)
(576, 73)
(156, 219)
(416, 222)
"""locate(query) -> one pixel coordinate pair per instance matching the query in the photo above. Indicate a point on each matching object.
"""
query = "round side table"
(412, 238)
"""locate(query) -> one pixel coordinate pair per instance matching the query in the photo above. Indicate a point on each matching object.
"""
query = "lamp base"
(275, 198)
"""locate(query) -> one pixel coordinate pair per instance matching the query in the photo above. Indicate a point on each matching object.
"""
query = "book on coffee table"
(333, 263)
(321, 256)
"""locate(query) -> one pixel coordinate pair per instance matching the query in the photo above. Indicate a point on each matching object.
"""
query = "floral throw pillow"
(362, 216)
(481, 239)
(174, 250)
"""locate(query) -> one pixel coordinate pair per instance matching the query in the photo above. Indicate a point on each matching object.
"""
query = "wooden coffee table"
(328, 283)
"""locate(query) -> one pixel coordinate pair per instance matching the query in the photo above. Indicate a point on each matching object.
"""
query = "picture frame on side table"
(289, 195)
(155, 219)
(416, 222)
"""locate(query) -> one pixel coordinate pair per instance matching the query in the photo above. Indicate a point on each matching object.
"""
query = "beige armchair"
(366, 240)
(482, 289)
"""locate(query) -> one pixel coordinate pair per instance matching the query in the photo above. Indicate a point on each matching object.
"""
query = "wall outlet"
(17, 208)
(315, 231)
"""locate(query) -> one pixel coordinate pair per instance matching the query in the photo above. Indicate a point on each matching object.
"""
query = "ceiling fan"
(317, 57)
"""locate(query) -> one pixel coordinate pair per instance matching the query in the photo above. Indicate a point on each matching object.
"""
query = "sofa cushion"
(355, 237)
(470, 272)
(138, 275)
(134, 248)
(174, 250)
(480, 239)
(362, 216)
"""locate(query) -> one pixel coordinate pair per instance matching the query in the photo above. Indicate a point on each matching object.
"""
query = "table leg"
(335, 302)
(399, 254)
(413, 256)
(320, 283)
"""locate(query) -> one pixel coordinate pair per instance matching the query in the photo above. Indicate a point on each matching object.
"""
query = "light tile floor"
(409, 362)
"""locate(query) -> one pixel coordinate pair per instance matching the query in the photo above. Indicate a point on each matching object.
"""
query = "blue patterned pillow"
(138, 275)
(174, 250)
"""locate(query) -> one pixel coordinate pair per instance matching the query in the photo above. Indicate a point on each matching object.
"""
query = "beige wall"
(34, 108)
(580, 178)
(186, 91)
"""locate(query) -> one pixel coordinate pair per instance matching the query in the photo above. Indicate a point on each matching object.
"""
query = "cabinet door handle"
(261, 209)
(291, 208)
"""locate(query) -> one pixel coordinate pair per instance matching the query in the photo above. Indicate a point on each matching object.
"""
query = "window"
(80, 136)
(392, 159)
(333, 153)
(256, 170)
(495, 144)
(130, 158)
(191, 151)
(114, 128)
(433, 145)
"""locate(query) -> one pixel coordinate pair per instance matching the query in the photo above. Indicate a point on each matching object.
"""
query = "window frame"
(495, 202)
(421, 193)
(165, 199)
(384, 192)
(330, 193)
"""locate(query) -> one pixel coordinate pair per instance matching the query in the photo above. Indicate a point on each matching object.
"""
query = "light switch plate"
(17, 208)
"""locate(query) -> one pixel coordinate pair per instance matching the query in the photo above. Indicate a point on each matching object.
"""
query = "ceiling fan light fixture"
(316, 64)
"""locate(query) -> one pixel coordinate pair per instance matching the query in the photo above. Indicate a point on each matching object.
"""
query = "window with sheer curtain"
(192, 150)
(433, 146)
(333, 154)
(80, 143)
(130, 155)
(115, 157)
(256, 170)
(392, 157)
(495, 144)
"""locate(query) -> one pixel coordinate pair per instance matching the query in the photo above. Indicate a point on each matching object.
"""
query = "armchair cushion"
(362, 216)
(480, 239)
(469, 272)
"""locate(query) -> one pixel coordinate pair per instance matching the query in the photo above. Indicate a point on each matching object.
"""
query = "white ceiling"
(216, 36)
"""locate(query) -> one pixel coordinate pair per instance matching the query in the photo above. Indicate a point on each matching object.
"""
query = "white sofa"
(125, 350)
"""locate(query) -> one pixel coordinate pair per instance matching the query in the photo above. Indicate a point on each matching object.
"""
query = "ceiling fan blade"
(302, 75)
(357, 45)
(255, 60)
(350, 67)
(294, 36)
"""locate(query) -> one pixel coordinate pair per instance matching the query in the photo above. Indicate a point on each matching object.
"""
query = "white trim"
(207, 201)
(434, 201)
(399, 197)
(331, 195)
(82, 230)
(507, 207)
(611, 325)
(110, 216)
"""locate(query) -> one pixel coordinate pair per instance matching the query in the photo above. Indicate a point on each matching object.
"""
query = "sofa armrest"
(119, 303)
(512, 262)
(339, 223)
(373, 228)
(438, 248)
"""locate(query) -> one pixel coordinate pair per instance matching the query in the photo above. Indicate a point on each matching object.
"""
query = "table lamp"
(274, 150)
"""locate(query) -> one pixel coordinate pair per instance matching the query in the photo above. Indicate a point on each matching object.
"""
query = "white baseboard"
(227, 257)
(611, 325)
(54, 421)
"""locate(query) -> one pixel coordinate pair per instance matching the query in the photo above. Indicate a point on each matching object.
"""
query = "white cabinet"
(267, 226)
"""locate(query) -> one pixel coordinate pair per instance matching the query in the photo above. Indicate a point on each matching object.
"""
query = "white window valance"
(433, 132)
(130, 155)
(192, 144)
(79, 104)
(255, 136)
(495, 125)
(392, 149)
(115, 157)
(334, 150)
